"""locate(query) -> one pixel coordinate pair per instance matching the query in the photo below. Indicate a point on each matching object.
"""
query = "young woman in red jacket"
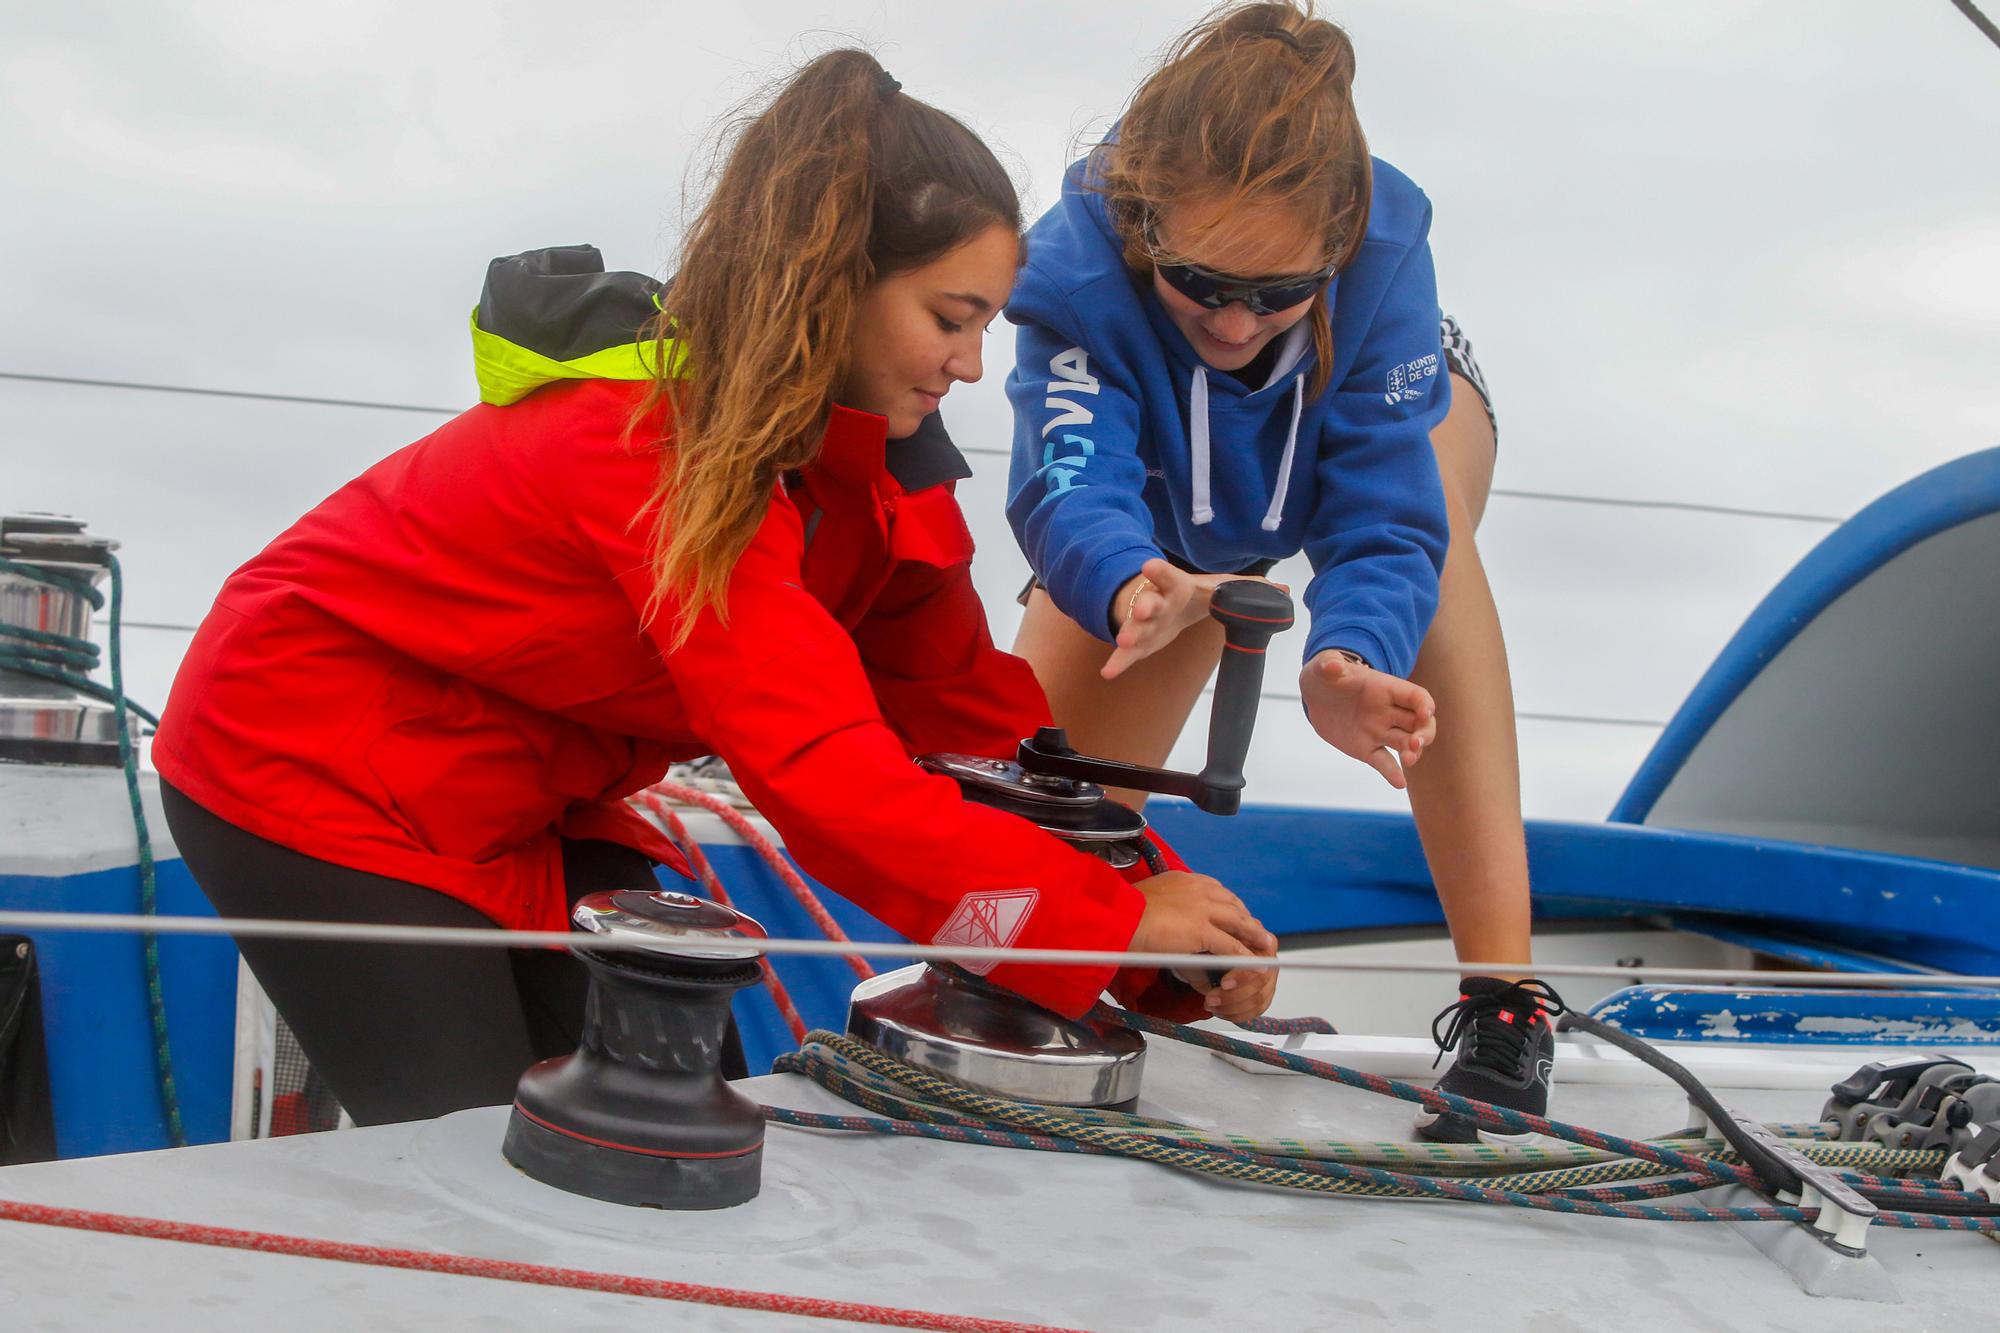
(724, 529)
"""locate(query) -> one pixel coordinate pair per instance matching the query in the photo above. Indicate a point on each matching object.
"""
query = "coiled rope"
(68, 659)
(914, 1102)
(1607, 1175)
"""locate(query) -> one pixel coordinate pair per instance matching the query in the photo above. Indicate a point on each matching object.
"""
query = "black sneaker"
(1506, 1055)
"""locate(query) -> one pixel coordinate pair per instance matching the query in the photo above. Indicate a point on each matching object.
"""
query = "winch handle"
(1251, 612)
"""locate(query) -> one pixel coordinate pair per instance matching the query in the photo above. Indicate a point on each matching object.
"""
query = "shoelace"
(1509, 1035)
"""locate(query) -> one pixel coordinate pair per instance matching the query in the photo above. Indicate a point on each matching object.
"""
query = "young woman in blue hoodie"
(1230, 351)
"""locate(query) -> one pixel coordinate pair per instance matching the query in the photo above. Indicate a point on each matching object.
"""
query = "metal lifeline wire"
(495, 938)
(307, 400)
(1529, 715)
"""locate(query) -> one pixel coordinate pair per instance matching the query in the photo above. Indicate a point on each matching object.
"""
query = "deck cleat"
(1889, 1091)
(1975, 1168)
(1961, 1119)
(640, 1113)
(1922, 1119)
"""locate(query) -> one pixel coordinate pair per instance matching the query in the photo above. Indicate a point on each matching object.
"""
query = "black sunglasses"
(1262, 296)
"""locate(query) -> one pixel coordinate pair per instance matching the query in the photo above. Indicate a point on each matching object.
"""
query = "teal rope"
(128, 757)
(60, 657)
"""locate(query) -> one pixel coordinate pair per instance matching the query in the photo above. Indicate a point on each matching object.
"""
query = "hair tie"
(886, 84)
(1280, 35)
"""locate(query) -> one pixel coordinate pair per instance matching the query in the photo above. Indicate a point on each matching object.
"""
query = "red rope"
(705, 873)
(772, 856)
(578, 1279)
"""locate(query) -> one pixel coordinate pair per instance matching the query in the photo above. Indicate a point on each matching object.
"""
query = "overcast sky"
(1742, 254)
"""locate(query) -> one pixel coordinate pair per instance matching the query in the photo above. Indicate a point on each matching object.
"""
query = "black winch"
(640, 1113)
(957, 1026)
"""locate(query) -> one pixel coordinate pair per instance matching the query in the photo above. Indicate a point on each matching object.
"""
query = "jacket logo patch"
(988, 920)
(1404, 380)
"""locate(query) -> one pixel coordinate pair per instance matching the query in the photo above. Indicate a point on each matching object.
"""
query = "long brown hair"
(1255, 102)
(836, 180)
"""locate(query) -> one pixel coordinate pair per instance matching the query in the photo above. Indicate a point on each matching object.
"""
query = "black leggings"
(402, 1031)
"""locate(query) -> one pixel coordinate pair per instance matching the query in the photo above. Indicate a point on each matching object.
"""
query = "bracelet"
(1352, 656)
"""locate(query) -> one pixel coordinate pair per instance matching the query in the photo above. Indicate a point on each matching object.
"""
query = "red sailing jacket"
(444, 665)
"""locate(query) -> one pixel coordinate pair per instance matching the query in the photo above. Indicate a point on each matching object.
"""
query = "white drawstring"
(1276, 513)
(1202, 512)
(1201, 509)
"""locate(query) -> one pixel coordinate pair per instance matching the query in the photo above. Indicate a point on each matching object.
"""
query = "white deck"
(1078, 1242)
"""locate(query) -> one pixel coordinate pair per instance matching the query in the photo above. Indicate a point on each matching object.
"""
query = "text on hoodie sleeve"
(1073, 490)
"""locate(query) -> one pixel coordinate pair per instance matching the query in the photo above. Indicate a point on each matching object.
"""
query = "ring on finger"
(1133, 601)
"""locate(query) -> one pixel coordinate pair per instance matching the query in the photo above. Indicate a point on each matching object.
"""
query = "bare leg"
(1135, 718)
(1466, 793)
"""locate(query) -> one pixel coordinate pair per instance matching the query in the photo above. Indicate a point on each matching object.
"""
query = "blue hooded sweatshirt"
(1128, 446)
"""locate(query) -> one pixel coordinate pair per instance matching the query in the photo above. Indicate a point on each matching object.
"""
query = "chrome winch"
(50, 713)
(961, 1027)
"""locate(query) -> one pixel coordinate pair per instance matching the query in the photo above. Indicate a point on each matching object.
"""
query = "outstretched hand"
(1155, 606)
(1367, 714)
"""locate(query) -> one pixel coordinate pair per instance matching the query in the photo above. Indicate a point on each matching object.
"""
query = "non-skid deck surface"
(1080, 1242)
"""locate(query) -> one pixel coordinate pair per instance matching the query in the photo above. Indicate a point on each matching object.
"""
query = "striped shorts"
(1458, 355)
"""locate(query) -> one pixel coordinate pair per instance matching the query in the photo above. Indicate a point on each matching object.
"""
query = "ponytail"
(840, 180)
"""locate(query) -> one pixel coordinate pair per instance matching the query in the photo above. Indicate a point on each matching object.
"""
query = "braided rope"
(1323, 1178)
(1287, 1027)
(705, 875)
(149, 889)
(425, 1261)
(773, 857)
(833, 1070)
(931, 1107)
(60, 657)
(1484, 1113)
